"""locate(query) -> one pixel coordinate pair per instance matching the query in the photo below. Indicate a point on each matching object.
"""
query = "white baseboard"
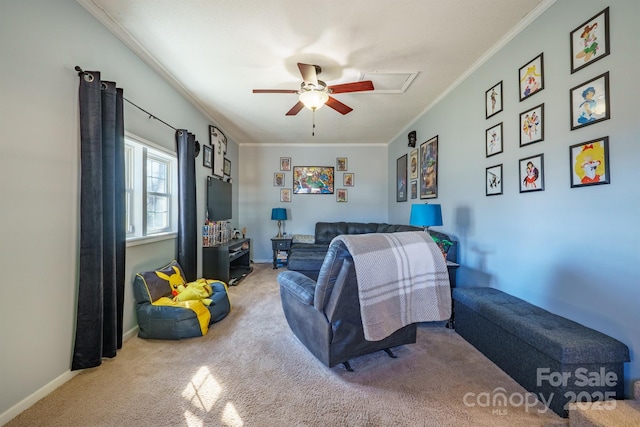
(43, 391)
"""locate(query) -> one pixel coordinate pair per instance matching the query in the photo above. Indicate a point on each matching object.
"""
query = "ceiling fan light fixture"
(314, 99)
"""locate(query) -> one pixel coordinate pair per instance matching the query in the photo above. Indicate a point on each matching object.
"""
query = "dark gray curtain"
(102, 222)
(187, 218)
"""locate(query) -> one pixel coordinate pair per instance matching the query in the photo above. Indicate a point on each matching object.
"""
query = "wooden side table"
(280, 245)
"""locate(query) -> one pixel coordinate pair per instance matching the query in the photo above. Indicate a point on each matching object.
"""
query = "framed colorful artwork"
(285, 163)
(494, 180)
(341, 195)
(313, 179)
(532, 125)
(401, 179)
(414, 189)
(532, 173)
(590, 163)
(278, 179)
(285, 195)
(590, 102)
(413, 164)
(429, 169)
(531, 77)
(590, 41)
(493, 100)
(341, 163)
(493, 140)
(348, 179)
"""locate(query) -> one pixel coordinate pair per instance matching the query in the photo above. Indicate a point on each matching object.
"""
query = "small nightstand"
(280, 246)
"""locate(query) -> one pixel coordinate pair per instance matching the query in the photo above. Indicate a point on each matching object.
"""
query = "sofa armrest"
(298, 285)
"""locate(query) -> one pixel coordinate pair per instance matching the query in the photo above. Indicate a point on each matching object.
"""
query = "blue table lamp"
(279, 214)
(425, 215)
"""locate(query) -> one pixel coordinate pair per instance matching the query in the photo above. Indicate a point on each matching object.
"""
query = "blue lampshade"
(279, 214)
(425, 215)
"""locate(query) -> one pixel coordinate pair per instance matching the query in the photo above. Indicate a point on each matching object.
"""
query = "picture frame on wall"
(348, 179)
(341, 164)
(285, 195)
(428, 154)
(278, 179)
(313, 179)
(414, 189)
(494, 180)
(493, 140)
(532, 125)
(285, 164)
(590, 41)
(227, 167)
(589, 163)
(531, 77)
(401, 179)
(493, 100)
(218, 142)
(532, 173)
(590, 102)
(342, 195)
(207, 156)
(413, 164)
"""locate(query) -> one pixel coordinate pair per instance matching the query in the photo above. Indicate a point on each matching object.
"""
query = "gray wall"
(40, 43)
(573, 251)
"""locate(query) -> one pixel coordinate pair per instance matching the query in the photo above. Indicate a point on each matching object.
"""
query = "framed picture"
(493, 100)
(590, 102)
(532, 125)
(532, 173)
(414, 189)
(348, 179)
(341, 195)
(590, 41)
(285, 163)
(285, 195)
(217, 136)
(313, 179)
(493, 140)
(413, 164)
(341, 163)
(429, 169)
(411, 136)
(207, 155)
(531, 77)
(494, 180)
(278, 179)
(590, 163)
(227, 167)
(401, 179)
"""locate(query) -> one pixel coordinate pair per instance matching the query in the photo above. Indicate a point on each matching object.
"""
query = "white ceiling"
(216, 51)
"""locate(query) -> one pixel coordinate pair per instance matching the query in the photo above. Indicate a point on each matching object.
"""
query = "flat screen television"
(218, 199)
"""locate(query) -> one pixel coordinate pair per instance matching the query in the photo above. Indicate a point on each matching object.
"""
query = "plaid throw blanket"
(402, 279)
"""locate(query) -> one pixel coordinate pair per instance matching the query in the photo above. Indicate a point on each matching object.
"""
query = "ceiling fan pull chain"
(313, 129)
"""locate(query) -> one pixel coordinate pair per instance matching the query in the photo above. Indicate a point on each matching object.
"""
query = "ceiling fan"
(315, 93)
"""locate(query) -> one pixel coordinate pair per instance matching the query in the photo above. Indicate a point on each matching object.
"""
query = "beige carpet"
(251, 371)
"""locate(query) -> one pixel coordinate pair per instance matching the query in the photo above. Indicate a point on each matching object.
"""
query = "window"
(151, 189)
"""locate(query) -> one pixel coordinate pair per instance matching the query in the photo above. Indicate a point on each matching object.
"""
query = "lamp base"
(279, 235)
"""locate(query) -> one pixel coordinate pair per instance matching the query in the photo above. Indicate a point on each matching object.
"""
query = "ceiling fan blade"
(309, 73)
(274, 91)
(296, 109)
(338, 106)
(352, 87)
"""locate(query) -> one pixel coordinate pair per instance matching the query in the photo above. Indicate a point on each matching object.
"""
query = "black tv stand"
(229, 262)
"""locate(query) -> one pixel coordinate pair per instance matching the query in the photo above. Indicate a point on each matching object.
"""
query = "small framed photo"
(531, 77)
(348, 179)
(285, 163)
(494, 180)
(401, 179)
(413, 164)
(341, 195)
(414, 189)
(341, 164)
(532, 173)
(285, 195)
(429, 169)
(493, 100)
(278, 179)
(590, 163)
(493, 140)
(207, 156)
(590, 102)
(590, 41)
(227, 167)
(532, 125)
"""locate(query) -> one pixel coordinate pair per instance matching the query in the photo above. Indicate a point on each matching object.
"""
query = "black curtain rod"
(151, 116)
